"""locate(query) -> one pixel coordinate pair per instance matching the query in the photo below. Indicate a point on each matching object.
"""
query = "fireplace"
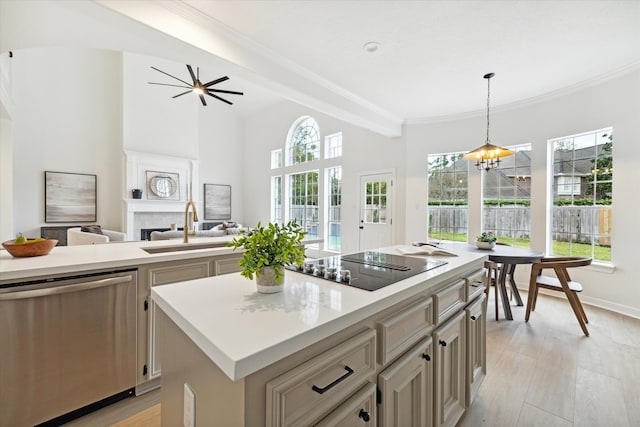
(142, 216)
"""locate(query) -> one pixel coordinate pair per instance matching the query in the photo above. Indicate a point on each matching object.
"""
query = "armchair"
(75, 236)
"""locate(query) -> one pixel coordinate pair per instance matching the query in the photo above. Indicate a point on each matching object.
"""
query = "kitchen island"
(322, 351)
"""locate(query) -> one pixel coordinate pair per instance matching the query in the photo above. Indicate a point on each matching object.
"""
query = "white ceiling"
(429, 66)
(433, 54)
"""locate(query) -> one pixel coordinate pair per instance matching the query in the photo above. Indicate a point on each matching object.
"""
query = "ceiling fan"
(198, 87)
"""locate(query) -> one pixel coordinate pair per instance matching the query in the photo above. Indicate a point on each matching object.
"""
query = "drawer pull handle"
(364, 415)
(426, 357)
(320, 390)
(473, 317)
(443, 343)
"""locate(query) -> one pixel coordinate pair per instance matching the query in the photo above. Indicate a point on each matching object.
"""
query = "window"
(568, 185)
(276, 199)
(507, 198)
(375, 210)
(333, 146)
(581, 191)
(276, 158)
(334, 202)
(448, 210)
(303, 202)
(303, 143)
(311, 197)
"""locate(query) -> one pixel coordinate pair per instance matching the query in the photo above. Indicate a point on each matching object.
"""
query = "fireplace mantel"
(171, 211)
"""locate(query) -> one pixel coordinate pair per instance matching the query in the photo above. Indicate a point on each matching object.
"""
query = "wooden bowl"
(31, 248)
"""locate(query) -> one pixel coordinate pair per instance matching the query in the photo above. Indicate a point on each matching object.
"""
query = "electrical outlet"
(189, 414)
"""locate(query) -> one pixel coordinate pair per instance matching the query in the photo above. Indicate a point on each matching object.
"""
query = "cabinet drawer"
(475, 285)
(359, 410)
(179, 272)
(306, 393)
(226, 265)
(449, 300)
(401, 330)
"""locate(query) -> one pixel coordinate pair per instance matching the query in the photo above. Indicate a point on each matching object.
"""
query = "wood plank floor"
(544, 373)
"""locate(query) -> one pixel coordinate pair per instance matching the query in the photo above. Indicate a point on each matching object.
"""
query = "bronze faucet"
(186, 220)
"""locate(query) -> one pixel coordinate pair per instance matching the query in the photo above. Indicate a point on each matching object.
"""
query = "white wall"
(152, 119)
(221, 153)
(363, 151)
(613, 103)
(67, 119)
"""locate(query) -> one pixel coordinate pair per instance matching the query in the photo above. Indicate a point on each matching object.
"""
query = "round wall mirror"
(163, 186)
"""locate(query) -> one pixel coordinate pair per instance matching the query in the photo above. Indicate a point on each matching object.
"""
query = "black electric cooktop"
(367, 270)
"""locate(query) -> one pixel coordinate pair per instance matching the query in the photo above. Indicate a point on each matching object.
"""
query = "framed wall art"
(163, 185)
(69, 197)
(217, 201)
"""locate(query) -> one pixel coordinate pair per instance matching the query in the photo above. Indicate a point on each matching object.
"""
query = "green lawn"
(601, 253)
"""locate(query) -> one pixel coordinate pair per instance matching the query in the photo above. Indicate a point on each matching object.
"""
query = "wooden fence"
(570, 223)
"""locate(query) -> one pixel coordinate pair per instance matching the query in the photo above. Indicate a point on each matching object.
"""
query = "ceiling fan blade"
(166, 84)
(183, 93)
(202, 99)
(232, 92)
(221, 99)
(173, 77)
(216, 81)
(193, 76)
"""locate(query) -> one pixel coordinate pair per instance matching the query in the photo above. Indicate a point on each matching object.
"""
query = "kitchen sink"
(184, 247)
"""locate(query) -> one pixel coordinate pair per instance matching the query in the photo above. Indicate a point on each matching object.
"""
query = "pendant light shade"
(488, 156)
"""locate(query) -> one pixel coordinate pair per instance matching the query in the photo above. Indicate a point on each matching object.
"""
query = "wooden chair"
(561, 283)
(491, 278)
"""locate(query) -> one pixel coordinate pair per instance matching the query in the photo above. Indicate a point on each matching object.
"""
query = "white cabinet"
(304, 394)
(406, 388)
(149, 364)
(476, 346)
(450, 370)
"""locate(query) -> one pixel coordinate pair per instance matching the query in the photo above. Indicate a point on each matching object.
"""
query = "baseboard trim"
(148, 386)
(625, 310)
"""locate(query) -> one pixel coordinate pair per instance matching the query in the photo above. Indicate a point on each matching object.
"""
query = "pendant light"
(487, 156)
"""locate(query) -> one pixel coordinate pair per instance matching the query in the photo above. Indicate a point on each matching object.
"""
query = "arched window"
(303, 141)
(309, 193)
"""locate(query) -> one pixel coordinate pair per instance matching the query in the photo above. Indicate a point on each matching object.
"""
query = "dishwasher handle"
(64, 289)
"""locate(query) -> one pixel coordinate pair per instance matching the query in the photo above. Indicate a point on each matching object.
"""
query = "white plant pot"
(485, 245)
(266, 280)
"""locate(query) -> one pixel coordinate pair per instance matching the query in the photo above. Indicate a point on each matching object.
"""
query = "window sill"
(601, 267)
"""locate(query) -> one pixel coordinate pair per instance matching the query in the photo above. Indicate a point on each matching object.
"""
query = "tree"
(600, 180)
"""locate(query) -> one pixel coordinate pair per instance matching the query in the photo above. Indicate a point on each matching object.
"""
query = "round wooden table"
(509, 257)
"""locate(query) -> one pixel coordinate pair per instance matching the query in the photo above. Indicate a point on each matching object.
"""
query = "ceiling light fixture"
(371, 46)
(488, 155)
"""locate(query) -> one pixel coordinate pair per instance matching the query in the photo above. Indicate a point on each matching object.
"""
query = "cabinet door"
(406, 389)
(162, 275)
(450, 371)
(476, 347)
(358, 410)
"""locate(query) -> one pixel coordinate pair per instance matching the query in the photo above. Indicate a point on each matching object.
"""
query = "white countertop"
(243, 331)
(71, 259)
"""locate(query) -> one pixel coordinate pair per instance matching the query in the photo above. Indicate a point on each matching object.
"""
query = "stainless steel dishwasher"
(67, 346)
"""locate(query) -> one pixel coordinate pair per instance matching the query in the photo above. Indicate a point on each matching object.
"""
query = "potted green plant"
(267, 250)
(486, 240)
